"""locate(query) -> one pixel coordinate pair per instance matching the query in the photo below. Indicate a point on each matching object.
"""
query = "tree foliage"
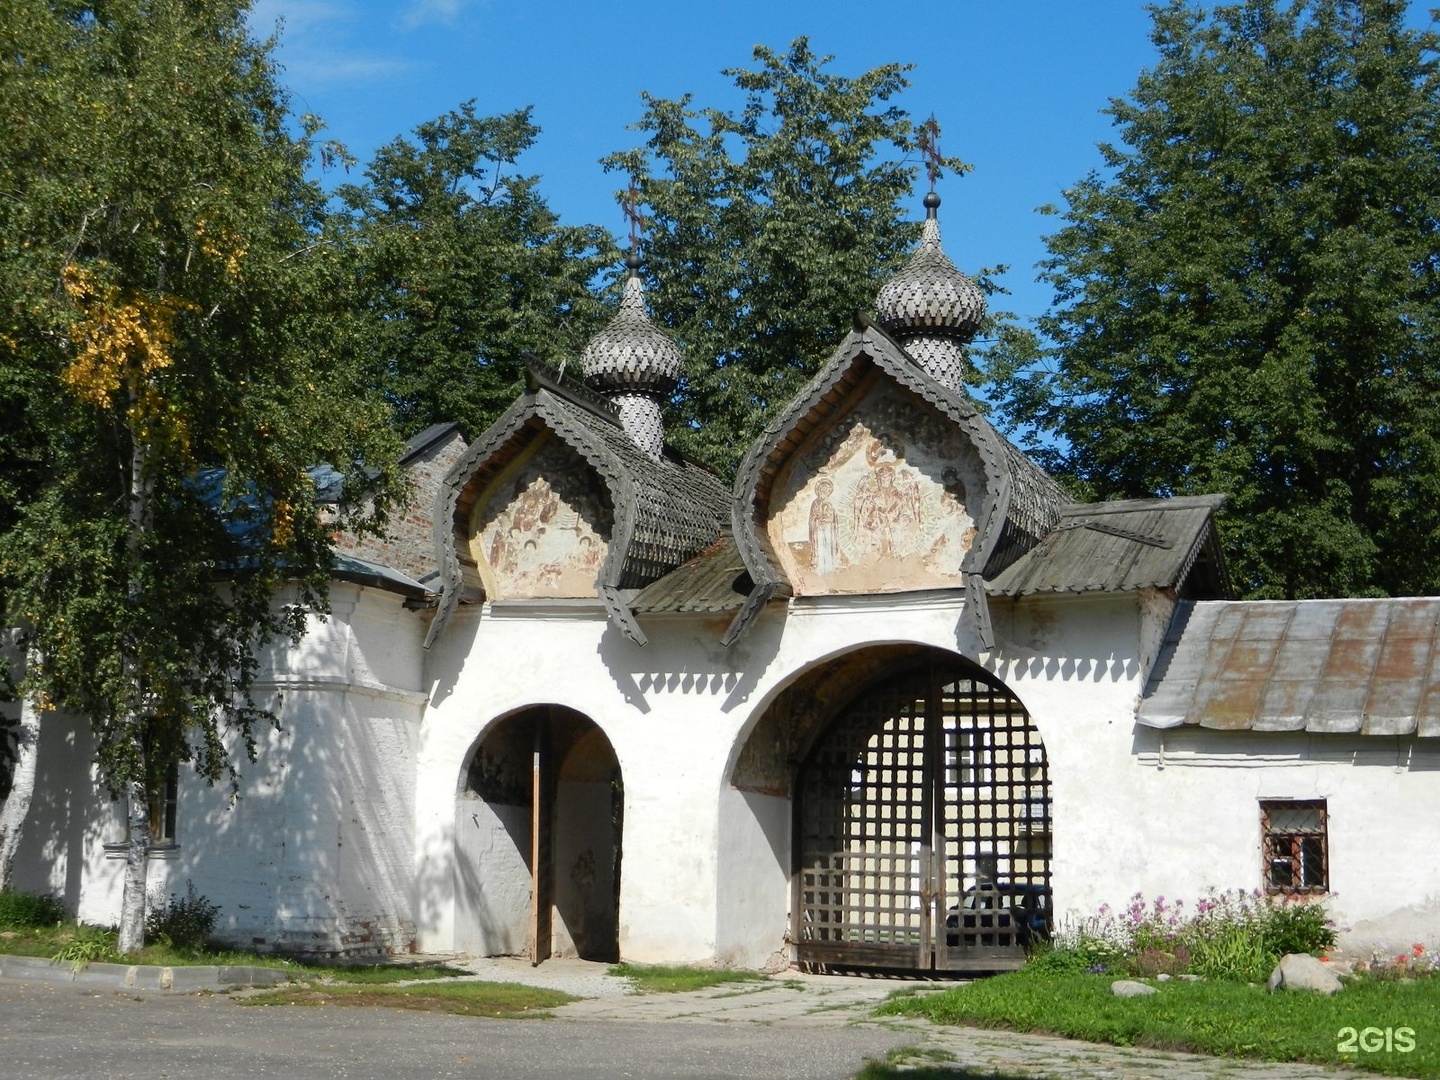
(766, 229)
(457, 270)
(161, 294)
(1248, 299)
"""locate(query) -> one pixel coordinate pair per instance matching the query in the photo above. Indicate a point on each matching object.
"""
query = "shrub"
(90, 945)
(1095, 945)
(182, 923)
(1232, 935)
(30, 911)
(1299, 928)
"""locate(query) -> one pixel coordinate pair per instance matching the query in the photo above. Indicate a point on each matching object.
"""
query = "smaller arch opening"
(539, 821)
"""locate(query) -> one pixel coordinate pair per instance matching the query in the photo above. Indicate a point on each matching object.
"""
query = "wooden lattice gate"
(923, 828)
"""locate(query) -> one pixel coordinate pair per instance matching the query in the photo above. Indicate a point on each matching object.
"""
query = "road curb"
(180, 980)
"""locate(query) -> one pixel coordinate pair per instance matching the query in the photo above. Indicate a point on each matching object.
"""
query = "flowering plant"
(1228, 935)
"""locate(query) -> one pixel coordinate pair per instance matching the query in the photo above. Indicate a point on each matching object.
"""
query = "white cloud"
(299, 16)
(318, 44)
(421, 12)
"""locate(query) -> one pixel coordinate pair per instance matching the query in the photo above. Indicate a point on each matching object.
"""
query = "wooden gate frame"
(986, 936)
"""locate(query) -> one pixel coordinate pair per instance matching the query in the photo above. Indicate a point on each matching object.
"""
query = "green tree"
(160, 278)
(766, 229)
(1248, 300)
(458, 270)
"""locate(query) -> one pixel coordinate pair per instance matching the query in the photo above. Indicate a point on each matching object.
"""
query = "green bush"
(30, 911)
(90, 945)
(1233, 935)
(182, 923)
(1299, 928)
(1076, 954)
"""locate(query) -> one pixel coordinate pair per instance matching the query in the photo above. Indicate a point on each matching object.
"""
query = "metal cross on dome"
(930, 148)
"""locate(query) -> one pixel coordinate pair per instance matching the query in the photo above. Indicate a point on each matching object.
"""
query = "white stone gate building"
(892, 701)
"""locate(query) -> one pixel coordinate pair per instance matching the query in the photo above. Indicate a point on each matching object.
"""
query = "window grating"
(1295, 846)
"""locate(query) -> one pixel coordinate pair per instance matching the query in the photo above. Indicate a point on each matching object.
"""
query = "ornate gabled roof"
(1020, 505)
(665, 511)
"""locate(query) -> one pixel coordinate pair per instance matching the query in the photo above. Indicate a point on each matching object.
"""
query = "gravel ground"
(583, 978)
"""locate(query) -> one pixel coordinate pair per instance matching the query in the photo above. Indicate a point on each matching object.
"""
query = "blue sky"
(1018, 87)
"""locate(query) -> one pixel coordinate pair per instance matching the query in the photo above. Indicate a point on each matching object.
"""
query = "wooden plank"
(542, 883)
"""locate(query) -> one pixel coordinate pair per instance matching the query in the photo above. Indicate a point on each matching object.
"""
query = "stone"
(1163, 977)
(1187, 977)
(1300, 971)
(1131, 988)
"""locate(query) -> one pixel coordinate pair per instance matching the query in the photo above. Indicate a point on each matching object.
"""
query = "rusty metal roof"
(1121, 546)
(705, 583)
(1369, 667)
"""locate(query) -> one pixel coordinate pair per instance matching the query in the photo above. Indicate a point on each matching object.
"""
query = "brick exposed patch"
(410, 544)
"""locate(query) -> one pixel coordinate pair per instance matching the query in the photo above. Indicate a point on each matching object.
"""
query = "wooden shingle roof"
(665, 511)
(1120, 547)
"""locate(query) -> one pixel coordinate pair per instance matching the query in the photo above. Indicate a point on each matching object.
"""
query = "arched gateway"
(923, 827)
(537, 839)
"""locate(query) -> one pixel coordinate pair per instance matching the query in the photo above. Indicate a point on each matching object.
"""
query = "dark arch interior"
(538, 839)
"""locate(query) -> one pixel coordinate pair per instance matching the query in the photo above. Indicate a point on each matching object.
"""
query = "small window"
(1295, 847)
(162, 809)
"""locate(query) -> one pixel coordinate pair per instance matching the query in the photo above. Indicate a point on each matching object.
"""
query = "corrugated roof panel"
(1177, 672)
(1402, 672)
(1299, 662)
(1427, 713)
(1325, 666)
(1339, 703)
(1215, 659)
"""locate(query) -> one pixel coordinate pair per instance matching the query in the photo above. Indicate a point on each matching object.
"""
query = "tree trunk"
(137, 792)
(22, 784)
(137, 856)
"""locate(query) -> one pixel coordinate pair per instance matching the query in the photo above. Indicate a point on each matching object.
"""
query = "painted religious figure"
(541, 530)
(877, 502)
(824, 539)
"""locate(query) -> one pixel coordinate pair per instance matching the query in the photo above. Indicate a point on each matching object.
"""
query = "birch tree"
(162, 336)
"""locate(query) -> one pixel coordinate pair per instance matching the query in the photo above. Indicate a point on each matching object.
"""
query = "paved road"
(51, 1031)
(800, 1028)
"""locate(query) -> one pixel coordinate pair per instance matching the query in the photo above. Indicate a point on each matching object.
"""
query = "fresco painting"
(542, 529)
(878, 502)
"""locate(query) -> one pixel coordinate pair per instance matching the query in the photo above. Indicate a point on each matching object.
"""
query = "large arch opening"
(922, 826)
(538, 824)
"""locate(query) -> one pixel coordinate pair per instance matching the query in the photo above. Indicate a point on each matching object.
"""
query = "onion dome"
(632, 354)
(930, 302)
(635, 365)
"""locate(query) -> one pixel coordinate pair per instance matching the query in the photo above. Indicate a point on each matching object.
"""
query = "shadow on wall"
(71, 816)
(315, 855)
(693, 662)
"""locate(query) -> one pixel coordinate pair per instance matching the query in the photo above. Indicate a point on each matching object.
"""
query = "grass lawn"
(1218, 1018)
(48, 941)
(374, 974)
(499, 1000)
(671, 980)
